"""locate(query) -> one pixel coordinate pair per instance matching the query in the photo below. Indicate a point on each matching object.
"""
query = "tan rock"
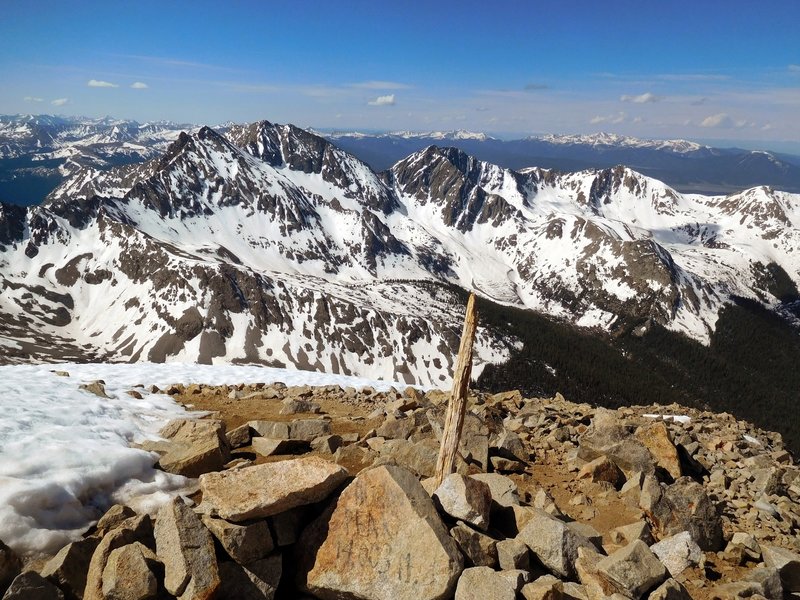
(197, 446)
(269, 489)
(553, 542)
(480, 583)
(135, 529)
(545, 587)
(657, 440)
(382, 540)
(127, 574)
(113, 517)
(185, 547)
(479, 548)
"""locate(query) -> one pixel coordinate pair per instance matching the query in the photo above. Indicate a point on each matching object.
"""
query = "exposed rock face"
(656, 439)
(382, 540)
(185, 547)
(246, 542)
(269, 489)
(678, 552)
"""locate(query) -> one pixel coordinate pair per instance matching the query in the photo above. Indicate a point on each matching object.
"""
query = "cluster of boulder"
(295, 507)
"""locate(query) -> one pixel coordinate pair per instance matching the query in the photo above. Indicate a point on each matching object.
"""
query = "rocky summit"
(550, 500)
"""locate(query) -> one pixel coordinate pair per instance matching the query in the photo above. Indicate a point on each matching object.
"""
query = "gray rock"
(308, 429)
(241, 495)
(32, 586)
(417, 457)
(507, 465)
(480, 583)
(479, 548)
(683, 506)
(270, 446)
(634, 569)
(587, 531)
(270, 429)
(287, 525)
(10, 566)
(769, 580)
(68, 568)
(609, 437)
(466, 499)
(396, 429)
(678, 552)
(257, 580)
(127, 574)
(244, 542)
(185, 547)
(383, 522)
(509, 445)
(293, 406)
(786, 562)
(553, 542)
(97, 388)
(513, 554)
(503, 489)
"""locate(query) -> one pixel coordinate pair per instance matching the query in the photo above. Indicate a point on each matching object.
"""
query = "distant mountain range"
(269, 244)
(38, 152)
(686, 166)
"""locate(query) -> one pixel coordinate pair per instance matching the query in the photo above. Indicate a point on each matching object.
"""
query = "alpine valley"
(268, 244)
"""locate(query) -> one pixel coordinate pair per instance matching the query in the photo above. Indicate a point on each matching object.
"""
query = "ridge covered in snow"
(271, 245)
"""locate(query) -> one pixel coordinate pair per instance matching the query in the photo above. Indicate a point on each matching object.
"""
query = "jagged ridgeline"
(268, 244)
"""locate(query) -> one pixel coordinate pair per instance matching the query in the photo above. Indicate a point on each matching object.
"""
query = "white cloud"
(638, 120)
(138, 85)
(613, 119)
(59, 101)
(33, 99)
(720, 120)
(101, 84)
(724, 121)
(641, 98)
(387, 100)
(380, 85)
(794, 68)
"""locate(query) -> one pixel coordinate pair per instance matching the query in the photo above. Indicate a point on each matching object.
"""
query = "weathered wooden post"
(457, 406)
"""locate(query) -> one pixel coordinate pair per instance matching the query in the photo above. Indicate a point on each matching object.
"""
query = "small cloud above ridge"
(139, 85)
(59, 101)
(96, 83)
(645, 98)
(387, 100)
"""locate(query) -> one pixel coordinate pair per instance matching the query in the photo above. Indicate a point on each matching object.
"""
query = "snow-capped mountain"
(271, 245)
(603, 139)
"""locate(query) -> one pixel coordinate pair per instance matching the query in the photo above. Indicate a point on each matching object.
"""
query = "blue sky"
(701, 70)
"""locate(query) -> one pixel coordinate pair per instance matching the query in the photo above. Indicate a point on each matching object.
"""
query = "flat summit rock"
(270, 489)
(382, 540)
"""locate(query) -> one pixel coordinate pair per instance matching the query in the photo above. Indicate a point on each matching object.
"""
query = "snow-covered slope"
(271, 245)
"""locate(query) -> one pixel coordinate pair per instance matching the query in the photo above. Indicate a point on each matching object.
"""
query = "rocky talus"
(328, 493)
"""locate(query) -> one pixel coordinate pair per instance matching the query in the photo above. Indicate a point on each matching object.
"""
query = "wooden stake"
(457, 406)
